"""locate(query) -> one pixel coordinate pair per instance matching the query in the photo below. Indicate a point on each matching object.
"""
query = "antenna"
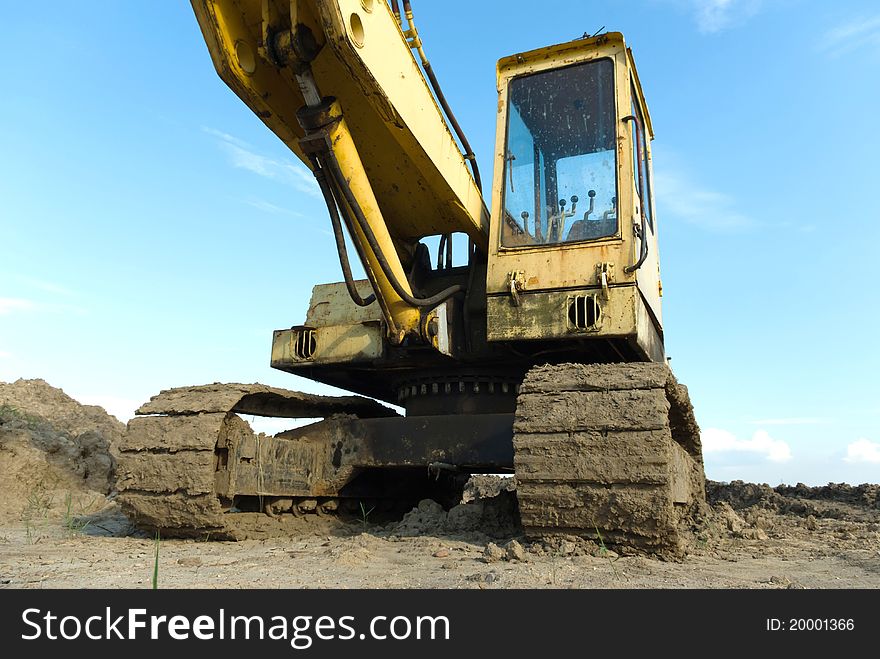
(587, 35)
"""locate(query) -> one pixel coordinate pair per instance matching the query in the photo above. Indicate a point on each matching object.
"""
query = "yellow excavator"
(541, 354)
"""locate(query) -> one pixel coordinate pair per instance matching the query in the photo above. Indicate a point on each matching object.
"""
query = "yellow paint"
(402, 318)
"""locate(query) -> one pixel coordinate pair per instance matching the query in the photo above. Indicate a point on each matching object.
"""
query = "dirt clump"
(514, 551)
(488, 509)
(493, 553)
(487, 486)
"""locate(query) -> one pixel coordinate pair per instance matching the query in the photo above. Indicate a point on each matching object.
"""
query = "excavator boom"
(357, 52)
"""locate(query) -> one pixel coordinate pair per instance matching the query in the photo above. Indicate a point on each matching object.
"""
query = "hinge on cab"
(604, 276)
(516, 282)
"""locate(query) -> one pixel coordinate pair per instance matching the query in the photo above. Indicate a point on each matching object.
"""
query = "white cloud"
(850, 36)
(243, 156)
(5, 355)
(12, 304)
(225, 137)
(716, 15)
(267, 207)
(718, 441)
(680, 196)
(863, 450)
(47, 286)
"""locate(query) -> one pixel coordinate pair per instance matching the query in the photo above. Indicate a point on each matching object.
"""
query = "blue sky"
(153, 232)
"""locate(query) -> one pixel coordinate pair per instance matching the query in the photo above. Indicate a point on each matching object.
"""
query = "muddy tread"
(594, 455)
(576, 411)
(168, 464)
(260, 400)
(595, 377)
(189, 471)
(196, 432)
(616, 457)
(177, 514)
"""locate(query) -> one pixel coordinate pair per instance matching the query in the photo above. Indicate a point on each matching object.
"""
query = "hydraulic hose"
(332, 164)
(340, 238)
(444, 246)
(469, 152)
(435, 85)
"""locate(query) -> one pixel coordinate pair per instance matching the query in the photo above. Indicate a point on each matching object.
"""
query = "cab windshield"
(560, 182)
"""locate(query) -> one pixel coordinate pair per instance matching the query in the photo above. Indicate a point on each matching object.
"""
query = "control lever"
(612, 210)
(592, 195)
(556, 223)
(510, 159)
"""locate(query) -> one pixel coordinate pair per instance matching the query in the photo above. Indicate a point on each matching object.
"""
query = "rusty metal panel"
(335, 344)
(545, 315)
(331, 305)
(647, 335)
(321, 458)
(475, 440)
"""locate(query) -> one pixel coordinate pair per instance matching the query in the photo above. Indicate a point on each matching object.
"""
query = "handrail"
(643, 250)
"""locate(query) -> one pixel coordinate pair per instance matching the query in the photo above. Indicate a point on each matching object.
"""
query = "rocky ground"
(60, 528)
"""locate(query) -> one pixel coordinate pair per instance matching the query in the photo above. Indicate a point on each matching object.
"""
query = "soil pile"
(858, 503)
(488, 509)
(54, 452)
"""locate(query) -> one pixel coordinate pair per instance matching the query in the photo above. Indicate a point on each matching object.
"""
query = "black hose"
(341, 184)
(445, 245)
(472, 269)
(440, 248)
(340, 238)
(469, 152)
(435, 85)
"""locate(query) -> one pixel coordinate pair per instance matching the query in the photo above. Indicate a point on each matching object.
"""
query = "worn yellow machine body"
(406, 159)
(542, 356)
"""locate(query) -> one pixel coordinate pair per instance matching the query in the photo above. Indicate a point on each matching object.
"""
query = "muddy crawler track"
(608, 450)
(170, 464)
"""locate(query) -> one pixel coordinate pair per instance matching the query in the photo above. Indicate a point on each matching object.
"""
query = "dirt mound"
(54, 452)
(36, 398)
(833, 501)
(866, 495)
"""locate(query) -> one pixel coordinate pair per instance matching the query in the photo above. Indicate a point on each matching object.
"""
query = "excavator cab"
(573, 250)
